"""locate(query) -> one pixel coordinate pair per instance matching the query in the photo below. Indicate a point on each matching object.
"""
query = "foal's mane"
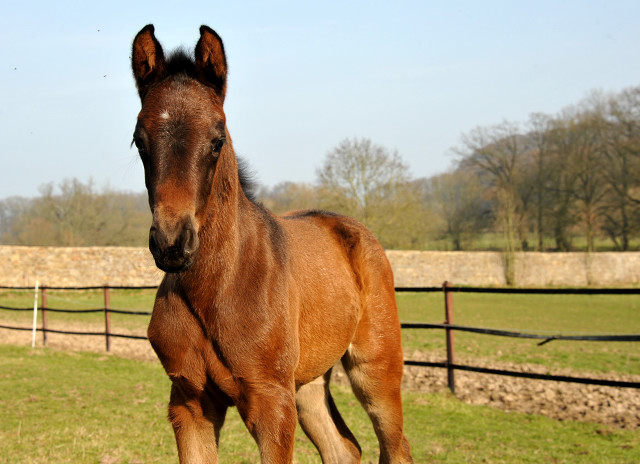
(247, 180)
(182, 63)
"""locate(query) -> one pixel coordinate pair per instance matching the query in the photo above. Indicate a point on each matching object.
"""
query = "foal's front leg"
(196, 421)
(269, 412)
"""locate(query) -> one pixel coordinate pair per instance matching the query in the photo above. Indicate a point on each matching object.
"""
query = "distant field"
(548, 314)
(61, 407)
(491, 241)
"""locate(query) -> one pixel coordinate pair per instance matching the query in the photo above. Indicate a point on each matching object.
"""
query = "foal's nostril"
(190, 240)
(187, 242)
(153, 244)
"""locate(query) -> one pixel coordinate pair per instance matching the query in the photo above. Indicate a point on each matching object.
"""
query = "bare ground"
(617, 407)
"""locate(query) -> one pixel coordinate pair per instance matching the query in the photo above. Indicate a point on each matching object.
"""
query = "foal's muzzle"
(174, 247)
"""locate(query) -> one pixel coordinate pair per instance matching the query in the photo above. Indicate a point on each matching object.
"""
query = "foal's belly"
(328, 320)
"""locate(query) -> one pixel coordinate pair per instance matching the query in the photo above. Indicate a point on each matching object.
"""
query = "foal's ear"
(147, 59)
(211, 62)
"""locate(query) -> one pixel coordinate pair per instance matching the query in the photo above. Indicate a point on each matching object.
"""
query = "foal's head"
(181, 137)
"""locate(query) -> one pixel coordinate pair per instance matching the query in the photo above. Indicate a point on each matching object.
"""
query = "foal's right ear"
(147, 59)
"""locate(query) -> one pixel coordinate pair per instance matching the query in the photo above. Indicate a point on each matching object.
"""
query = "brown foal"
(254, 309)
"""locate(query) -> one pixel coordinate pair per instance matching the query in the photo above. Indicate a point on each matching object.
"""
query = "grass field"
(61, 407)
(548, 314)
(496, 241)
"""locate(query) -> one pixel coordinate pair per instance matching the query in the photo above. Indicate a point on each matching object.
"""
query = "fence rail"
(107, 310)
(507, 333)
(448, 326)
(66, 332)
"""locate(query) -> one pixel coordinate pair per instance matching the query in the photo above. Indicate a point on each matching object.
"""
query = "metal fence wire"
(448, 326)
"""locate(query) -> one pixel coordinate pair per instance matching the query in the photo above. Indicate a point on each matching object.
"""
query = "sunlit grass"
(495, 241)
(542, 314)
(61, 407)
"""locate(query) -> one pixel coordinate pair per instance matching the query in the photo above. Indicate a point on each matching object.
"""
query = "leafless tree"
(372, 184)
(458, 197)
(74, 213)
(618, 128)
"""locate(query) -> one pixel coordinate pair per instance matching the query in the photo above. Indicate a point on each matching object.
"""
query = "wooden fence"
(448, 326)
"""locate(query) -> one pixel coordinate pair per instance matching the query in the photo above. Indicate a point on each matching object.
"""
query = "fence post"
(107, 317)
(448, 314)
(35, 316)
(43, 293)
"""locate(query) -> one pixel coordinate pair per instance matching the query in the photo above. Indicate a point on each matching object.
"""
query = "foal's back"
(343, 281)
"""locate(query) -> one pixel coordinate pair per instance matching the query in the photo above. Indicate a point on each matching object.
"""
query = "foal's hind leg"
(321, 421)
(376, 383)
(374, 364)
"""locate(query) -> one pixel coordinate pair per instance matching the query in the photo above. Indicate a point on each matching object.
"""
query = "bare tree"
(11, 211)
(540, 128)
(289, 196)
(619, 135)
(497, 152)
(586, 163)
(76, 214)
(575, 172)
(372, 184)
(561, 181)
(458, 198)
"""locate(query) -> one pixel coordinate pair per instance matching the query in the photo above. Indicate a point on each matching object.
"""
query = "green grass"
(496, 241)
(61, 407)
(546, 314)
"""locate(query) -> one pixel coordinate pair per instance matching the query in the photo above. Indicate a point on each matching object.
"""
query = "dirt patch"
(617, 407)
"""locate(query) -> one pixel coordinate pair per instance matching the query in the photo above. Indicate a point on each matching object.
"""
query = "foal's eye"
(216, 145)
(140, 146)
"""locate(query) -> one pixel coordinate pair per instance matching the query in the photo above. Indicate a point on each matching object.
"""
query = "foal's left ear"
(211, 62)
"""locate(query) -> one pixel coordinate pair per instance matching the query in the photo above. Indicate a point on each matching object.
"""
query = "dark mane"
(247, 180)
(311, 213)
(181, 61)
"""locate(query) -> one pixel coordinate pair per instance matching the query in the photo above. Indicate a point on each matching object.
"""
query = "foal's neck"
(230, 231)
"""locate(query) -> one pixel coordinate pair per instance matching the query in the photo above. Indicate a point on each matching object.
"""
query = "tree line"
(75, 213)
(563, 182)
(575, 175)
(554, 182)
(358, 178)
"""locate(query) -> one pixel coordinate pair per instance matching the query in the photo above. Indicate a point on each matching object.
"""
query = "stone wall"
(90, 266)
(77, 266)
(432, 268)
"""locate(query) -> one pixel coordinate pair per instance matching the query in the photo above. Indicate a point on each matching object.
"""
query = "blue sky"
(410, 75)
